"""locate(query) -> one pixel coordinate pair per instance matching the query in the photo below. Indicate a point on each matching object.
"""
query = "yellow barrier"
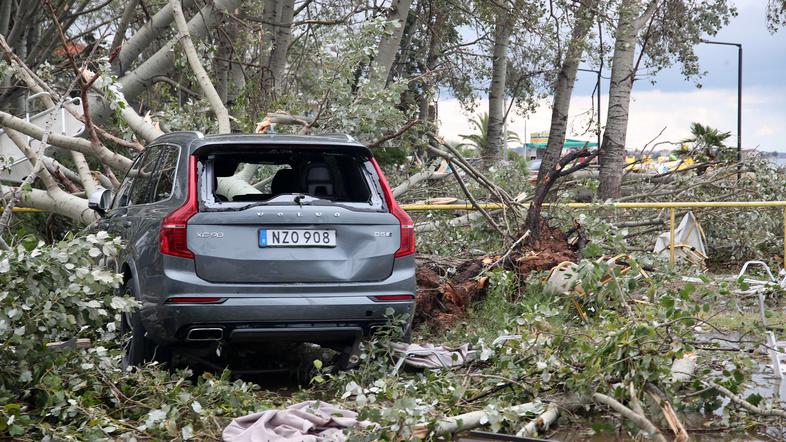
(23, 210)
(672, 206)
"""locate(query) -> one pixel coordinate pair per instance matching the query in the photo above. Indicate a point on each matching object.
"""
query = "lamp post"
(597, 85)
(739, 99)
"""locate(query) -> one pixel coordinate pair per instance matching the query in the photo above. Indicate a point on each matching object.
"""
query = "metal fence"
(672, 206)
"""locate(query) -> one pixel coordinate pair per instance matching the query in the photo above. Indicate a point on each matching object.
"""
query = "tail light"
(173, 238)
(407, 245)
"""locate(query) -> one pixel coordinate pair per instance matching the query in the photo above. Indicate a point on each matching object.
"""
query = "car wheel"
(138, 349)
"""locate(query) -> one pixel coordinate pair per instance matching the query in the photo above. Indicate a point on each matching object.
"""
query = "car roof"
(214, 143)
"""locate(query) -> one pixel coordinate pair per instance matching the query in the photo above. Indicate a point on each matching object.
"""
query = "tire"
(139, 349)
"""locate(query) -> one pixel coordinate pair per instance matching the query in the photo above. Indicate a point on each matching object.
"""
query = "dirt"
(446, 289)
(446, 286)
(552, 249)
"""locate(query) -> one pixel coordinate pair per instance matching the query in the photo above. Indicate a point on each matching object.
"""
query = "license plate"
(296, 238)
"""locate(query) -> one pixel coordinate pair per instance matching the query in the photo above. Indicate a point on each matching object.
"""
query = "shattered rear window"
(288, 176)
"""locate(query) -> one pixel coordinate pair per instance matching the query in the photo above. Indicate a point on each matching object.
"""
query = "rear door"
(317, 241)
(227, 246)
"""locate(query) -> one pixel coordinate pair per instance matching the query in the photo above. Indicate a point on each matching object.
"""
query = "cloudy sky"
(672, 103)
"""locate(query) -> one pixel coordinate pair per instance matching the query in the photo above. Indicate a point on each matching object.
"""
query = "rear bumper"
(302, 312)
(259, 319)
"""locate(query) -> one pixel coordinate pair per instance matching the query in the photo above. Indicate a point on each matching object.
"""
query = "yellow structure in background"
(539, 137)
(662, 164)
(672, 206)
(23, 210)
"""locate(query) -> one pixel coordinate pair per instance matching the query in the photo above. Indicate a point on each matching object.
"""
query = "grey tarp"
(310, 421)
(689, 241)
(432, 356)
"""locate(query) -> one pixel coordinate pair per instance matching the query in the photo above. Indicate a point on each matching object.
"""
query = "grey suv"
(234, 240)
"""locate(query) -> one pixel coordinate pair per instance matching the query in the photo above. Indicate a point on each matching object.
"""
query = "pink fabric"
(310, 421)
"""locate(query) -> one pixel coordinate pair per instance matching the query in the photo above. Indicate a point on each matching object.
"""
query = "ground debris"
(552, 249)
(447, 286)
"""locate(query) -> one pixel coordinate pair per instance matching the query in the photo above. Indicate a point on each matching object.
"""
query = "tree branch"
(203, 79)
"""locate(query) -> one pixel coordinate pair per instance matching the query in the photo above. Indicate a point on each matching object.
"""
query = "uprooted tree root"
(447, 286)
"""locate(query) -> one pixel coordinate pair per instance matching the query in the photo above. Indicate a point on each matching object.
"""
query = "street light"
(739, 99)
(597, 72)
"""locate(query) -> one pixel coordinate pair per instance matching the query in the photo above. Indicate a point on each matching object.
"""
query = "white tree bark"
(640, 420)
(144, 36)
(612, 150)
(468, 421)
(71, 143)
(499, 74)
(541, 423)
(203, 79)
(278, 54)
(53, 199)
(58, 202)
(163, 61)
(141, 128)
(238, 184)
(389, 44)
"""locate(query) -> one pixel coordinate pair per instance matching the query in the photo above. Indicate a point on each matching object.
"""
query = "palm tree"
(480, 139)
(708, 140)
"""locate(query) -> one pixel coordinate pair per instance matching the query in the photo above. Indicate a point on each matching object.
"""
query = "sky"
(672, 103)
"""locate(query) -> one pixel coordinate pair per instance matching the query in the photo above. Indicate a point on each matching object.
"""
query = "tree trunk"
(390, 42)
(434, 48)
(563, 88)
(623, 72)
(499, 71)
(144, 36)
(5, 16)
(278, 53)
(203, 79)
(122, 27)
(163, 61)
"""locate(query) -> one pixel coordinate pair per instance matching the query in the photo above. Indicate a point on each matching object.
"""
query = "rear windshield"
(281, 177)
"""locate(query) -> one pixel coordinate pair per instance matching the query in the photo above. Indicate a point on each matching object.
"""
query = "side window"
(140, 190)
(123, 193)
(166, 173)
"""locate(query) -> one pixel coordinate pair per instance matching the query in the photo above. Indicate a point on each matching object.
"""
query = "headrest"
(284, 181)
(318, 180)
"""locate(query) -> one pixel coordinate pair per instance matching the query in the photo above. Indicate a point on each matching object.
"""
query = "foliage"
(479, 140)
(59, 292)
(475, 238)
(708, 143)
(776, 14)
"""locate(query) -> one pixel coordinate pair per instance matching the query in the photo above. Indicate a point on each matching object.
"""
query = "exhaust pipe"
(199, 334)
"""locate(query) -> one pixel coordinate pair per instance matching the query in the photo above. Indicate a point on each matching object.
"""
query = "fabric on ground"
(431, 356)
(310, 421)
(689, 241)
